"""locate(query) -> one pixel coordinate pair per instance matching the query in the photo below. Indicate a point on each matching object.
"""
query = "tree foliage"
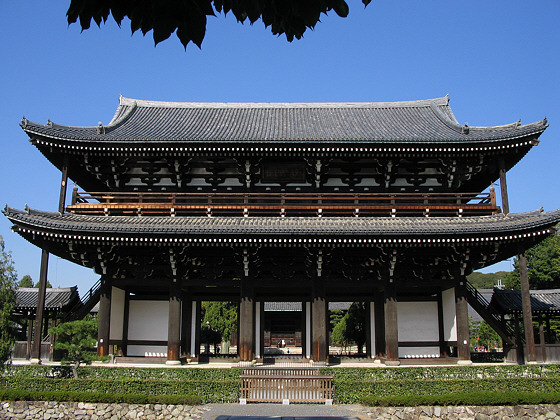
(8, 279)
(543, 266)
(351, 328)
(486, 280)
(187, 18)
(221, 317)
(26, 281)
(77, 338)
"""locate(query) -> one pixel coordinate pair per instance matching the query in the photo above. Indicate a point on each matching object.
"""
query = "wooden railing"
(301, 385)
(284, 204)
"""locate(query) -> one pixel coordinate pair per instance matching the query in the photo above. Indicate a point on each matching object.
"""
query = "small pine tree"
(77, 338)
(26, 281)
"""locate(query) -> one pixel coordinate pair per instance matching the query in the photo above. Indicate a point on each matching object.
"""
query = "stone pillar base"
(173, 362)
(392, 363)
(35, 361)
(464, 362)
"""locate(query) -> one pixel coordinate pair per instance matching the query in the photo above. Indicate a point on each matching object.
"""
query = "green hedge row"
(470, 398)
(97, 397)
(209, 391)
(445, 372)
(115, 372)
(352, 392)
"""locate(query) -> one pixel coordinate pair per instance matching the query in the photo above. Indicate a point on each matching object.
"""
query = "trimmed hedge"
(468, 385)
(97, 397)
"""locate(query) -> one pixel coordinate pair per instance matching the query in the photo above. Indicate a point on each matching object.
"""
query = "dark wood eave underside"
(327, 230)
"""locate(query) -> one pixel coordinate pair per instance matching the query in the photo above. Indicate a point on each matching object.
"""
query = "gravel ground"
(284, 412)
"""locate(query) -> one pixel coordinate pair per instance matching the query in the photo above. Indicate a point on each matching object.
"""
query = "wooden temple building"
(388, 203)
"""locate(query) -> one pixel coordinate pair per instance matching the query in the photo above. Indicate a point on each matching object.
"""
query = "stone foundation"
(540, 412)
(73, 410)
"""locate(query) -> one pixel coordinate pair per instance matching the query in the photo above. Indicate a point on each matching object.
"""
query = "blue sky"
(498, 60)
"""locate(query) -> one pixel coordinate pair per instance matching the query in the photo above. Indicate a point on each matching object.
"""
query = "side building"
(389, 204)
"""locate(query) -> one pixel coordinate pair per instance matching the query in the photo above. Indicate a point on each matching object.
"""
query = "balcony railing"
(283, 204)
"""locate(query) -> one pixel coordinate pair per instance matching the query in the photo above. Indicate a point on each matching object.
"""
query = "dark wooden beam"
(174, 324)
(503, 187)
(63, 189)
(527, 312)
(246, 321)
(391, 324)
(462, 317)
(36, 350)
(104, 317)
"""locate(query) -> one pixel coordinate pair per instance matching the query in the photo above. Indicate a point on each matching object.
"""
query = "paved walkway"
(284, 412)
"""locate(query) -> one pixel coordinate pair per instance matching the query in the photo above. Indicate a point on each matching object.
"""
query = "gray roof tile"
(55, 298)
(293, 226)
(416, 122)
(542, 301)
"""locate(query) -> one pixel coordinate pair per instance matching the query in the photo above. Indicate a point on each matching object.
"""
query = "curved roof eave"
(403, 227)
(423, 122)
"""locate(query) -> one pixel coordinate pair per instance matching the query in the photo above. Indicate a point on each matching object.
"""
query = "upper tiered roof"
(423, 122)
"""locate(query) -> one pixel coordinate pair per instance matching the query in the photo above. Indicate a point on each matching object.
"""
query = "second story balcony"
(284, 204)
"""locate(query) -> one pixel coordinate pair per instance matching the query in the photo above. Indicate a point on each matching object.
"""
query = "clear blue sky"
(498, 60)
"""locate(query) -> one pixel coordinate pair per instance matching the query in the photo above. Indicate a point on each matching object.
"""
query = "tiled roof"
(55, 298)
(293, 226)
(414, 122)
(296, 306)
(542, 301)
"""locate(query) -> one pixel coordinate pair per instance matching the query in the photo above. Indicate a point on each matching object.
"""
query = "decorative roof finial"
(24, 121)
(545, 121)
(49, 123)
(100, 128)
(465, 128)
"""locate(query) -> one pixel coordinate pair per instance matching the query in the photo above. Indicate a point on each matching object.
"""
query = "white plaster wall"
(418, 352)
(146, 351)
(147, 320)
(449, 312)
(418, 321)
(117, 314)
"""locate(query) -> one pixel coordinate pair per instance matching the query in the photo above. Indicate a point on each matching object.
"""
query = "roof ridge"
(124, 101)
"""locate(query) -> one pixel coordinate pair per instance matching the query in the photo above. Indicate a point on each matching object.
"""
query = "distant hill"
(486, 280)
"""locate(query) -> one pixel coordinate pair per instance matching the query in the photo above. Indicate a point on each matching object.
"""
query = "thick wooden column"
(186, 323)
(246, 321)
(379, 308)
(503, 187)
(462, 318)
(542, 338)
(531, 355)
(104, 317)
(63, 189)
(370, 329)
(391, 325)
(259, 330)
(319, 331)
(174, 324)
(443, 352)
(36, 349)
(29, 338)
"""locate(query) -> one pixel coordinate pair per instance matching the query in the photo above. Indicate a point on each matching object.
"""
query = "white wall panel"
(147, 320)
(146, 351)
(449, 312)
(418, 321)
(117, 314)
(418, 352)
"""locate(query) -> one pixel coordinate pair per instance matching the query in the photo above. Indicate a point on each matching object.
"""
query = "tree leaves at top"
(543, 266)
(187, 18)
(8, 279)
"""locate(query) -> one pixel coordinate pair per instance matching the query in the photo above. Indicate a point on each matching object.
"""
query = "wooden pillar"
(503, 187)
(303, 329)
(443, 349)
(29, 338)
(186, 324)
(259, 330)
(174, 324)
(36, 349)
(126, 318)
(63, 182)
(370, 329)
(104, 317)
(462, 318)
(527, 312)
(391, 324)
(308, 330)
(319, 331)
(379, 309)
(542, 338)
(519, 350)
(246, 321)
